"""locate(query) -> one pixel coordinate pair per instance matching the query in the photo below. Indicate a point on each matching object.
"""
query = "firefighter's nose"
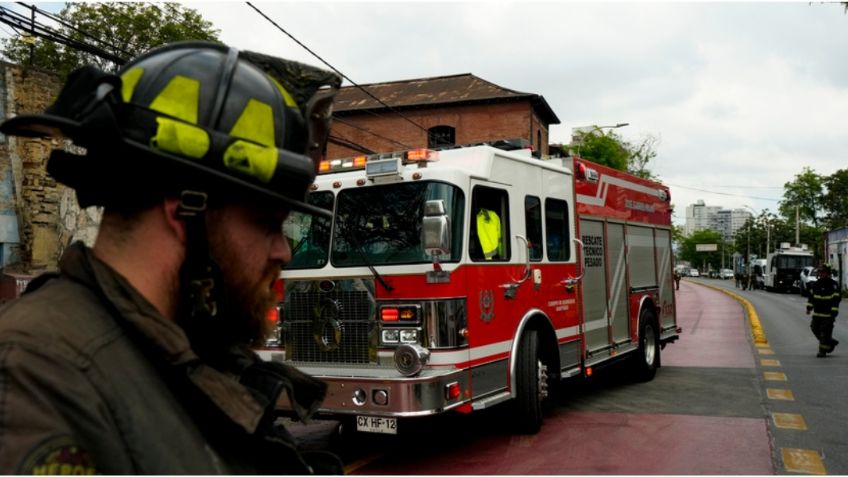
(280, 249)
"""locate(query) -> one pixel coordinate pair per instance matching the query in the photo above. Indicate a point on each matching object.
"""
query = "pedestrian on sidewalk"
(824, 305)
(677, 280)
(137, 356)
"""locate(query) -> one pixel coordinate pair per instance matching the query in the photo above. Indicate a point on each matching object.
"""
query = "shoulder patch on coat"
(58, 455)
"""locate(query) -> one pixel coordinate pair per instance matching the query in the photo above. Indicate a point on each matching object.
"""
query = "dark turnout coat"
(94, 379)
(824, 298)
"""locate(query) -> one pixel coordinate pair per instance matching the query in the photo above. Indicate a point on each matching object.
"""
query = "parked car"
(725, 273)
(809, 275)
(693, 272)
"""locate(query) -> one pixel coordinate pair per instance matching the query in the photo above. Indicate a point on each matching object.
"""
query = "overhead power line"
(23, 25)
(73, 27)
(349, 144)
(360, 128)
(723, 193)
(336, 70)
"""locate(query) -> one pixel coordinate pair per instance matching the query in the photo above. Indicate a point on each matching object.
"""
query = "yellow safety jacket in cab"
(489, 233)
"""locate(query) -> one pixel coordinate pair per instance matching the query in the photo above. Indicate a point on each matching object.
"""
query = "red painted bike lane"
(686, 421)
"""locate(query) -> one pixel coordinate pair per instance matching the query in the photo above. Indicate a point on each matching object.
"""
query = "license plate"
(380, 425)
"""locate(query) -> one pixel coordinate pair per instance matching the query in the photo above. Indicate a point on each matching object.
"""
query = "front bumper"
(384, 392)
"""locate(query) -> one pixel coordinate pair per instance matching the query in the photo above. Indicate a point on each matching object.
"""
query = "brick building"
(39, 218)
(440, 111)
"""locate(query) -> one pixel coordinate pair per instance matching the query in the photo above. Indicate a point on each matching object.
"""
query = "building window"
(441, 136)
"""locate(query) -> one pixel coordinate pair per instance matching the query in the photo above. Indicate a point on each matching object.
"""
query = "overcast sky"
(741, 95)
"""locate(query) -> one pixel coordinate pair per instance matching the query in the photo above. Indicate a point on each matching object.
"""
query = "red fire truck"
(459, 279)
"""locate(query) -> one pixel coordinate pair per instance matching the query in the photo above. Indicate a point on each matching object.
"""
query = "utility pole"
(797, 228)
(768, 236)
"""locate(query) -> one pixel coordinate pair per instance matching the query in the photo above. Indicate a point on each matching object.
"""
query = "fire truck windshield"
(381, 225)
(309, 236)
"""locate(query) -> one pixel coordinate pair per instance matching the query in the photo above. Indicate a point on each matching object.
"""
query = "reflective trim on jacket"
(824, 298)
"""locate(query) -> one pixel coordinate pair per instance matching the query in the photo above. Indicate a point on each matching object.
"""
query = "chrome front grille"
(328, 327)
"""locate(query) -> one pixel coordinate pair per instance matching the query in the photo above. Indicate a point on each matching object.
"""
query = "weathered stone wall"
(47, 215)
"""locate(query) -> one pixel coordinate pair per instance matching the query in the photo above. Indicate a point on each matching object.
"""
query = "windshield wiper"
(358, 246)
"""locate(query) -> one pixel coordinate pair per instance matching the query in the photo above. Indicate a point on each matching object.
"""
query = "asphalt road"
(706, 412)
(818, 386)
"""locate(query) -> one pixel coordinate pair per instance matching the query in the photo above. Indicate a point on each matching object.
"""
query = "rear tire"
(530, 385)
(647, 358)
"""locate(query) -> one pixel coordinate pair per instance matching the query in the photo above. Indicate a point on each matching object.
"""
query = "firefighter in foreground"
(824, 305)
(135, 357)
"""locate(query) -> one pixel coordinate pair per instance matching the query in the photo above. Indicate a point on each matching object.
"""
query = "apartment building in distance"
(700, 216)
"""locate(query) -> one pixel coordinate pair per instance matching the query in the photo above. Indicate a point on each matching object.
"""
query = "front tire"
(647, 358)
(531, 385)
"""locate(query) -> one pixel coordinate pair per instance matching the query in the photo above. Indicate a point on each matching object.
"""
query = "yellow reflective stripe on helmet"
(129, 80)
(256, 123)
(179, 98)
(180, 138)
(251, 159)
(290, 102)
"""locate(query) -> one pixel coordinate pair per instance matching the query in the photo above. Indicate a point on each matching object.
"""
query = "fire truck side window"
(556, 226)
(489, 239)
(533, 221)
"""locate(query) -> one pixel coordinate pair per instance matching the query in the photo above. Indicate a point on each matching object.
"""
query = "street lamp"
(578, 132)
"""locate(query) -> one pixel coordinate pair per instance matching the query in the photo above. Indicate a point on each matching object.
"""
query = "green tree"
(641, 154)
(605, 149)
(835, 200)
(612, 150)
(804, 193)
(125, 28)
(765, 233)
(688, 249)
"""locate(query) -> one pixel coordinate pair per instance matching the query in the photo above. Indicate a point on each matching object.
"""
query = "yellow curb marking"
(764, 351)
(802, 460)
(774, 376)
(769, 362)
(789, 421)
(780, 394)
(761, 345)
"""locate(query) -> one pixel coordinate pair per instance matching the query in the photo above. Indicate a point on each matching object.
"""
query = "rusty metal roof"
(438, 91)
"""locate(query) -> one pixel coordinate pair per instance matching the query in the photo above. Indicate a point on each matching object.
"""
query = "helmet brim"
(40, 125)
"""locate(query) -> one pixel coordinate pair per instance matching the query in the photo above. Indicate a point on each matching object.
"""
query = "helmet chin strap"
(199, 272)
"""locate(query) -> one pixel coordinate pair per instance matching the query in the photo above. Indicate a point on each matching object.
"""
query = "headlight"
(410, 359)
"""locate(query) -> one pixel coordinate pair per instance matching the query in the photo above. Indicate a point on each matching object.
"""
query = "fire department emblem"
(326, 327)
(487, 305)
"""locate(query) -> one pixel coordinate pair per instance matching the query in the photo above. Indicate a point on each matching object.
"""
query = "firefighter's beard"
(242, 305)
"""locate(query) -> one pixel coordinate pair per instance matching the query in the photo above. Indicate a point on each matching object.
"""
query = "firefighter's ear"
(174, 222)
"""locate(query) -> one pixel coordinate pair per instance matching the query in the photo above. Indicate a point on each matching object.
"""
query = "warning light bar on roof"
(380, 164)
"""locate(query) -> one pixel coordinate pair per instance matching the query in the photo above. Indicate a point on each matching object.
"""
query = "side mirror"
(435, 229)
